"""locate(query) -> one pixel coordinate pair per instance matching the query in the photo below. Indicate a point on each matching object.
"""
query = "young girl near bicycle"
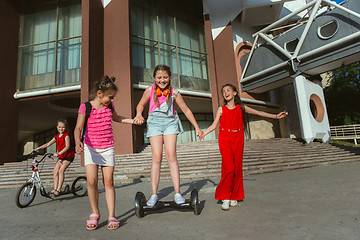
(231, 144)
(65, 155)
(98, 148)
(163, 125)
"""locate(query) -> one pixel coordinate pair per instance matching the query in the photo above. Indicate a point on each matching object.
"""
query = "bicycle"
(27, 192)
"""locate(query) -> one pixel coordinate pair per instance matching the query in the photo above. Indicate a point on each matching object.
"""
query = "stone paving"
(313, 203)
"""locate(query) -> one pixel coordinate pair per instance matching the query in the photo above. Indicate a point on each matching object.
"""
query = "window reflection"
(165, 33)
(50, 46)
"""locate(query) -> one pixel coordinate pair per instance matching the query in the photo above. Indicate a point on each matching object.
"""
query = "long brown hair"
(237, 101)
(168, 70)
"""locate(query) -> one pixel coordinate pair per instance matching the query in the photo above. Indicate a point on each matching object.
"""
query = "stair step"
(197, 160)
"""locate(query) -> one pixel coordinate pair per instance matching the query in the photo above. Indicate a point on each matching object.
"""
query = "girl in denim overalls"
(163, 125)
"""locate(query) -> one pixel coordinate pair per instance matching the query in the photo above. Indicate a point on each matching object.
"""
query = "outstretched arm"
(265, 114)
(213, 125)
(51, 142)
(139, 119)
(121, 119)
(180, 102)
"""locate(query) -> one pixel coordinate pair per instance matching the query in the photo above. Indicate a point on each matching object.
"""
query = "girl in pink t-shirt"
(98, 148)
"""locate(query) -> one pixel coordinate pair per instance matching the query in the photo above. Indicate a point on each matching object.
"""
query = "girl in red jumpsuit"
(231, 143)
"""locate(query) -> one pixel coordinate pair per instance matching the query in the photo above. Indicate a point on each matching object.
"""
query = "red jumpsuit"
(231, 144)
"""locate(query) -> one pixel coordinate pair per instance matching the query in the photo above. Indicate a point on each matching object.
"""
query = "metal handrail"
(346, 132)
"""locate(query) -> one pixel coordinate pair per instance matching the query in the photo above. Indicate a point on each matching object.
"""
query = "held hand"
(55, 154)
(199, 133)
(79, 148)
(202, 136)
(139, 120)
(281, 115)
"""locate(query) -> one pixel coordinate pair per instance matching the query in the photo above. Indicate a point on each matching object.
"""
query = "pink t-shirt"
(99, 132)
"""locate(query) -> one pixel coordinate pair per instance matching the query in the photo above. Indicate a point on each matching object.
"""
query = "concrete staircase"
(198, 160)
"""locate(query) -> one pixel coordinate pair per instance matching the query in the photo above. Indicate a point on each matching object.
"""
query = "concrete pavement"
(314, 203)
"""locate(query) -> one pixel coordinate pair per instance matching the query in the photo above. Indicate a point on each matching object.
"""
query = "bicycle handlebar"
(35, 154)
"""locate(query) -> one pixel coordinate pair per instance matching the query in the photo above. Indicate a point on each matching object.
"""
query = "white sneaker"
(226, 205)
(152, 201)
(179, 199)
(233, 203)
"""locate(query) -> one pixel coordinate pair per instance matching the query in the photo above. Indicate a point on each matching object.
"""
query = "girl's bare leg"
(170, 152)
(56, 175)
(156, 149)
(63, 166)
(93, 191)
(108, 173)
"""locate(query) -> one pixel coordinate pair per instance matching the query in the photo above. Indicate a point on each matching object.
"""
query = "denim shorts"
(162, 126)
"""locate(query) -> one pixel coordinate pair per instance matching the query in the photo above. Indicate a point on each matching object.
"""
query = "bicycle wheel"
(79, 186)
(25, 195)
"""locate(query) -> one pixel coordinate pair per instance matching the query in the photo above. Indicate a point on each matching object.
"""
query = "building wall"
(9, 27)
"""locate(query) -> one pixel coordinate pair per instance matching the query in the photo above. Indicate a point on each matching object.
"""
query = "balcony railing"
(345, 132)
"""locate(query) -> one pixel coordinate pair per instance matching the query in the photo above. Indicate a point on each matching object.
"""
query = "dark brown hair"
(237, 101)
(105, 84)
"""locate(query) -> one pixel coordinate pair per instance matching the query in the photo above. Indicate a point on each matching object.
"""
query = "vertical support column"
(222, 68)
(9, 26)
(117, 63)
(92, 47)
(211, 63)
(224, 59)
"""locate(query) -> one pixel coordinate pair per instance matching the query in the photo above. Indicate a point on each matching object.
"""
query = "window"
(50, 47)
(328, 30)
(290, 46)
(171, 33)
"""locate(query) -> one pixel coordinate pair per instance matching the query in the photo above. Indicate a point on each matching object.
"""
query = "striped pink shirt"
(99, 132)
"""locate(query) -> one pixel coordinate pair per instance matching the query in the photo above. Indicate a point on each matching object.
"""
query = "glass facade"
(171, 33)
(50, 48)
(45, 137)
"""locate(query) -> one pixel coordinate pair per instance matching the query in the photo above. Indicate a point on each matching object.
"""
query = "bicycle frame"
(35, 177)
